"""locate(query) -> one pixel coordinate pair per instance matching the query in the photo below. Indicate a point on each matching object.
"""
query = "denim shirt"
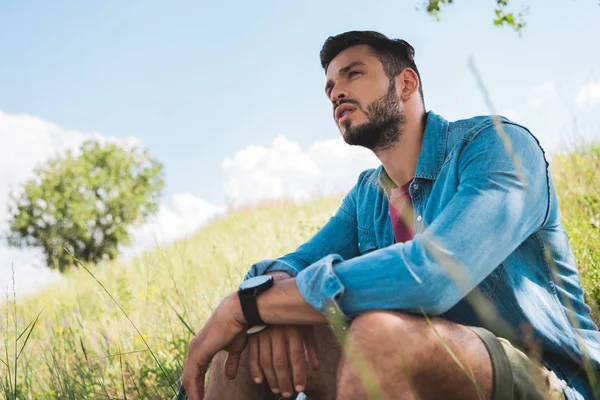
(489, 248)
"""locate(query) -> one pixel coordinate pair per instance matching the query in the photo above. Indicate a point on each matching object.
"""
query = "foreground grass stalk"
(166, 376)
(468, 374)
(549, 257)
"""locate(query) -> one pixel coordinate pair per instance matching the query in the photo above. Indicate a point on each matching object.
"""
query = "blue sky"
(197, 82)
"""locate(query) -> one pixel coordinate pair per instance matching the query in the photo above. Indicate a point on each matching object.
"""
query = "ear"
(407, 84)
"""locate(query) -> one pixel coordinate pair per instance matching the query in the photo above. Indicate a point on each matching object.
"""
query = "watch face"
(255, 282)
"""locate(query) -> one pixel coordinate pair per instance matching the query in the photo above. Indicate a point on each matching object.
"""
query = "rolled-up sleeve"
(270, 265)
(320, 285)
(492, 212)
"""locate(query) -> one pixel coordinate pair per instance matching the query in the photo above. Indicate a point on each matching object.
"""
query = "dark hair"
(394, 54)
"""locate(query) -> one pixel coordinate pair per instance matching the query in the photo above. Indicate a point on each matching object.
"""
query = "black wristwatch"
(248, 292)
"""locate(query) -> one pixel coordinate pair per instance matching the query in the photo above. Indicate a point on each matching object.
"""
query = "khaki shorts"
(515, 376)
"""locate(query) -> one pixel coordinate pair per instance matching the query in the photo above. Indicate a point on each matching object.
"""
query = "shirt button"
(419, 218)
(416, 186)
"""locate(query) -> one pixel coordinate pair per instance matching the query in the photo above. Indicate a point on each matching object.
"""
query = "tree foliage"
(83, 204)
(503, 17)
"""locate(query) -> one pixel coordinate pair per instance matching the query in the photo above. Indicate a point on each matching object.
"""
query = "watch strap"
(250, 310)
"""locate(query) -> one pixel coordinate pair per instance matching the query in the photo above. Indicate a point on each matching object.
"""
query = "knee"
(374, 346)
(217, 365)
(391, 336)
(384, 328)
(374, 322)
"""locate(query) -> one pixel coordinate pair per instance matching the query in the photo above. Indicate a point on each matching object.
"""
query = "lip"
(345, 116)
(344, 108)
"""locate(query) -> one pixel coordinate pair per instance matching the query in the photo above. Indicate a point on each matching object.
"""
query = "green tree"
(503, 17)
(83, 204)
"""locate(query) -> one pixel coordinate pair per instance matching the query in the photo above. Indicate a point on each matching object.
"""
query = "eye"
(352, 74)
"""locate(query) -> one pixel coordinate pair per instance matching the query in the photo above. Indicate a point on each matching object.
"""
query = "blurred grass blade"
(84, 351)
(181, 318)
(32, 324)
(122, 377)
(166, 376)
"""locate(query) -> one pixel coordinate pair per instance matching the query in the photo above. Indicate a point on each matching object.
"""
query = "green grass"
(84, 347)
(577, 180)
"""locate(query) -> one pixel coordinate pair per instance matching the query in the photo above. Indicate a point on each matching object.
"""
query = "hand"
(273, 351)
(282, 353)
(224, 330)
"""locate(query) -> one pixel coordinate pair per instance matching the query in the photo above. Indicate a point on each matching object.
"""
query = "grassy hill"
(83, 347)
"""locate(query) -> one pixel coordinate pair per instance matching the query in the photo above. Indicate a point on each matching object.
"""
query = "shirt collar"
(433, 152)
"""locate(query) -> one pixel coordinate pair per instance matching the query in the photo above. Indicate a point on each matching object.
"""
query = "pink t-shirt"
(401, 213)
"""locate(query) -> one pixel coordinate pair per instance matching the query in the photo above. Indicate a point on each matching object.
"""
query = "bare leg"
(403, 358)
(242, 387)
(320, 385)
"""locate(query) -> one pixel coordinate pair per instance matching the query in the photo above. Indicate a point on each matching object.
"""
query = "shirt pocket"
(367, 241)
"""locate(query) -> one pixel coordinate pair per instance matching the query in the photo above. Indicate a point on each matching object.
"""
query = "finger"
(234, 351)
(193, 391)
(297, 358)
(310, 344)
(197, 389)
(253, 351)
(231, 364)
(201, 350)
(193, 379)
(266, 358)
(281, 362)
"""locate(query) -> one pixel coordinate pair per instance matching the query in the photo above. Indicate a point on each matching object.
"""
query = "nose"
(337, 93)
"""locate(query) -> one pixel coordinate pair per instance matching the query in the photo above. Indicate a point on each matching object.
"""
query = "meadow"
(120, 330)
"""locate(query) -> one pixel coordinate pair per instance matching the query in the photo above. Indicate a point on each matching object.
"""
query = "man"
(448, 262)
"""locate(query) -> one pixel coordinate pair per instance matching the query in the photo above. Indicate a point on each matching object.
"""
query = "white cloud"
(543, 95)
(588, 94)
(30, 272)
(188, 213)
(285, 170)
(26, 142)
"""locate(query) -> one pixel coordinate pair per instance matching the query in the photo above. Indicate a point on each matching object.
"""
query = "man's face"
(366, 107)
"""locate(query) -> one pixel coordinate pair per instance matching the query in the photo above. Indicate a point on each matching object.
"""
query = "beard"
(383, 128)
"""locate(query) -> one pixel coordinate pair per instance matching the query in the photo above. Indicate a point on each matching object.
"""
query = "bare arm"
(281, 305)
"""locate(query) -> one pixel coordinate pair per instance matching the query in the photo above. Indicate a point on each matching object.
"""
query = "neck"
(400, 160)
